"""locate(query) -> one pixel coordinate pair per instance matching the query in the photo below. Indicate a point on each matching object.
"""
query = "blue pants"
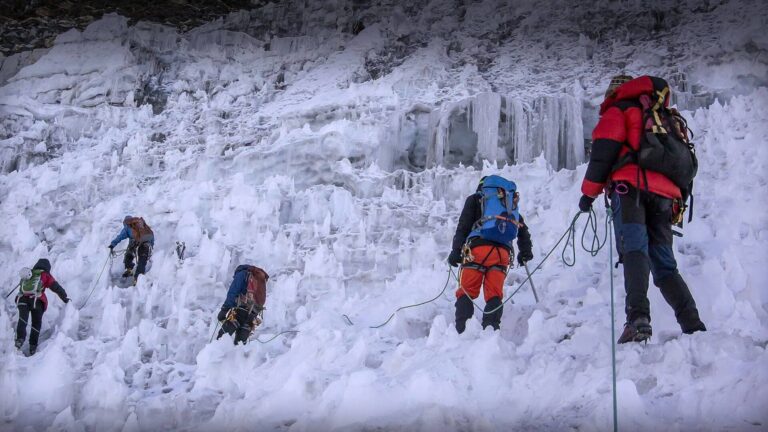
(643, 227)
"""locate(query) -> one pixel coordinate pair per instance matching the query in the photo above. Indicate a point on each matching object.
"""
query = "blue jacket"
(238, 286)
(126, 233)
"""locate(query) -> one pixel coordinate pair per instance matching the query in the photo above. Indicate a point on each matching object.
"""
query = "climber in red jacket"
(643, 204)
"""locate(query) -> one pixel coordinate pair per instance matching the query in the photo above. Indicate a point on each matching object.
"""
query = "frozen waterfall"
(491, 127)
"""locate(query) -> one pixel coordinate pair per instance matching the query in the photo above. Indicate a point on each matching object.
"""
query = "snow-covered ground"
(339, 163)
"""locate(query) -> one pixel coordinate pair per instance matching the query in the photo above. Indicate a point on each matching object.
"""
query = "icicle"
(486, 110)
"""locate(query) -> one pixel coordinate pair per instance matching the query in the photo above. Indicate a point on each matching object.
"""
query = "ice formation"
(339, 163)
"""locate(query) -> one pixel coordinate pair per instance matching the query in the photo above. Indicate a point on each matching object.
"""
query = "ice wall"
(496, 128)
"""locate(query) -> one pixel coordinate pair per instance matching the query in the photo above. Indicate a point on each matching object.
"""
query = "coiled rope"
(570, 240)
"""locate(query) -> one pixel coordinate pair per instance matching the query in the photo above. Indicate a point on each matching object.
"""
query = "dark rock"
(30, 24)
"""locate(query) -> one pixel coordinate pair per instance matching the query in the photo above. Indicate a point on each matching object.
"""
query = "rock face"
(32, 24)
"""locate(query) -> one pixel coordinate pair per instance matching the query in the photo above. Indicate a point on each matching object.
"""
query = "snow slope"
(339, 163)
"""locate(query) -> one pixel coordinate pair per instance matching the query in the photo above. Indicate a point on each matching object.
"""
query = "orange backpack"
(140, 231)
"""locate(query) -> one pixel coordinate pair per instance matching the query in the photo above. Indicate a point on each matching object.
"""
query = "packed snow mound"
(267, 146)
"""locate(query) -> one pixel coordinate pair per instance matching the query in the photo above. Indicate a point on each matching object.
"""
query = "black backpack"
(665, 146)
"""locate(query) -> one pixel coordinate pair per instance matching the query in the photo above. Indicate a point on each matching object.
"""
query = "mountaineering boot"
(690, 322)
(19, 343)
(676, 293)
(128, 273)
(32, 349)
(243, 334)
(638, 330)
(464, 310)
(493, 319)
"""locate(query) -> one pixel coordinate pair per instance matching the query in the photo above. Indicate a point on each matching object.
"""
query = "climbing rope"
(596, 245)
(447, 281)
(273, 337)
(609, 220)
(218, 323)
(569, 235)
(109, 260)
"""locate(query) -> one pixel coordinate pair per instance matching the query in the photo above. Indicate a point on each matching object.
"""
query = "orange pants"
(492, 280)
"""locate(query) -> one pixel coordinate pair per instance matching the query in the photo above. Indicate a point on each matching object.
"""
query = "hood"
(42, 264)
(631, 90)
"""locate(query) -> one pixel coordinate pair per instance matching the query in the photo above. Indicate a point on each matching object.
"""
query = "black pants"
(643, 226)
(28, 306)
(241, 327)
(143, 250)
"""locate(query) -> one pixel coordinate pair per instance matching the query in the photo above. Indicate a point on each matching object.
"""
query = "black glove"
(585, 203)
(523, 257)
(223, 313)
(65, 300)
(454, 259)
(111, 250)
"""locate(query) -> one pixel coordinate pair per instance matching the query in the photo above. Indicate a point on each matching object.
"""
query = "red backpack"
(256, 293)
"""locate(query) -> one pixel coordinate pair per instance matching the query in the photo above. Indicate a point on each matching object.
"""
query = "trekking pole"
(530, 280)
(214, 330)
(14, 289)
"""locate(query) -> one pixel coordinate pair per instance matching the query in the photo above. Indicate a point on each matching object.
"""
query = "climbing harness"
(469, 261)
(109, 260)
(259, 319)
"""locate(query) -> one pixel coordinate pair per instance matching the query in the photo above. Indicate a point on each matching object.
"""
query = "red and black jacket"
(619, 129)
(47, 281)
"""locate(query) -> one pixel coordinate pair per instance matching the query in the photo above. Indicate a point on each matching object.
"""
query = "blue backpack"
(500, 217)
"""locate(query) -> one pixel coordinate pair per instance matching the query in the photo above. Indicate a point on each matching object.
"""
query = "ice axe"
(530, 280)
